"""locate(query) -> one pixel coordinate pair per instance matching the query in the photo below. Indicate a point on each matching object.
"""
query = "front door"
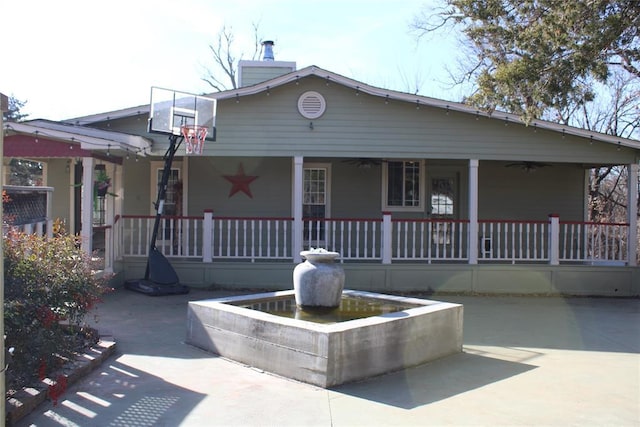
(443, 196)
(168, 233)
(315, 203)
(443, 205)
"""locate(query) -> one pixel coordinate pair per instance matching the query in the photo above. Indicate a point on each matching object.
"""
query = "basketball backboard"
(171, 110)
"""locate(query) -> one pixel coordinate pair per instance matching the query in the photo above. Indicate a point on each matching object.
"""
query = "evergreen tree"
(572, 62)
(14, 114)
(529, 56)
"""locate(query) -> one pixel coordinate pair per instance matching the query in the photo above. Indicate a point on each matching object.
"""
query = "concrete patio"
(526, 361)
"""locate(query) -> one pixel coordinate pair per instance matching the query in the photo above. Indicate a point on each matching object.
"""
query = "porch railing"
(28, 209)
(354, 238)
(41, 228)
(429, 240)
(178, 236)
(513, 241)
(251, 238)
(227, 237)
(376, 239)
(593, 242)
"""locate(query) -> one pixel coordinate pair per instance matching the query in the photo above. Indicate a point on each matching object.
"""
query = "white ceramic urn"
(318, 282)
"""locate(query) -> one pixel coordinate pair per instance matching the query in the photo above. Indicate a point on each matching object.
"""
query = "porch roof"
(66, 140)
(390, 95)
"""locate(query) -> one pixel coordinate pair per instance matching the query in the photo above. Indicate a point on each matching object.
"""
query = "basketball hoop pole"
(184, 117)
(174, 144)
(159, 277)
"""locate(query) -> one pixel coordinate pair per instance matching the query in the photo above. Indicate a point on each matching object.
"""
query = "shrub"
(49, 288)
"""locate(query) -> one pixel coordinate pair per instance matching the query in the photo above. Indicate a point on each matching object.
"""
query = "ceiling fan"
(528, 166)
(364, 162)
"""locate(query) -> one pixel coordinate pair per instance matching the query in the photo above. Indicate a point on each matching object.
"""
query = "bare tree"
(569, 62)
(613, 112)
(223, 75)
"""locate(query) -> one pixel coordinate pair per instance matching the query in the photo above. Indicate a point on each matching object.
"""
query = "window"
(25, 172)
(315, 201)
(402, 185)
(442, 197)
(174, 201)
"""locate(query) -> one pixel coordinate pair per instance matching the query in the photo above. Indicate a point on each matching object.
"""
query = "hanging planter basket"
(101, 188)
(101, 184)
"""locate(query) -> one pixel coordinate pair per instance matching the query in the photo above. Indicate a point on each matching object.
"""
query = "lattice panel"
(25, 208)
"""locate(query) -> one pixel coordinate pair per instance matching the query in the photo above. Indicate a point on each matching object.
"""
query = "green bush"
(49, 288)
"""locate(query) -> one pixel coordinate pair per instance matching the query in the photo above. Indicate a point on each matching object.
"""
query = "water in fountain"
(351, 307)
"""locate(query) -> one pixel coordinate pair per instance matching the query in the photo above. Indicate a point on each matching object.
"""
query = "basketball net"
(194, 137)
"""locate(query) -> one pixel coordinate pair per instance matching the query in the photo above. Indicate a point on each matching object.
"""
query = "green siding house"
(415, 193)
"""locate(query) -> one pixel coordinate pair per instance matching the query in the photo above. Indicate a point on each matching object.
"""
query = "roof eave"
(386, 94)
(419, 100)
(109, 115)
(135, 144)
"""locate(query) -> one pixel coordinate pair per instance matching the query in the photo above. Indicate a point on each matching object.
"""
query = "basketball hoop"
(194, 137)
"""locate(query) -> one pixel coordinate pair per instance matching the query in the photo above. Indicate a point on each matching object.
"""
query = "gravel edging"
(26, 400)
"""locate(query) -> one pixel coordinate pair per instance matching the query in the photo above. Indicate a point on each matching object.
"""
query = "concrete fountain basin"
(326, 354)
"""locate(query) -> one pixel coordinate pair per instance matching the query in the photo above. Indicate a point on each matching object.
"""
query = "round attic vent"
(311, 105)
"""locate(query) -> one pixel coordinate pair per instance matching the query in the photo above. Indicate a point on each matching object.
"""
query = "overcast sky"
(70, 58)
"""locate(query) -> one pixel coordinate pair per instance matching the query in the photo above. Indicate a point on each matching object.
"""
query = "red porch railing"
(377, 239)
(430, 240)
(593, 242)
(178, 236)
(354, 238)
(513, 241)
(251, 238)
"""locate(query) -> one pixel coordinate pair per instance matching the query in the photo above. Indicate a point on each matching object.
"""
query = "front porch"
(391, 255)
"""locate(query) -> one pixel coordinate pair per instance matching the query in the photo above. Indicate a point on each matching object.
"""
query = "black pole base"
(150, 288)
(160, 278)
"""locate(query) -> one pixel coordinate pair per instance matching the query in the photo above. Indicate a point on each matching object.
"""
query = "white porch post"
(554, 239)
(86, 215)
(108, 249)
(473, 211)
(118, 203)
(110, 215)
(387, 238)
(207, 236)
(49, 213)
(296, 208)
(632, 213)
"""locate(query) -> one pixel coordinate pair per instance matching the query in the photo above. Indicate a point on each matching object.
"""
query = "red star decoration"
(240, 182)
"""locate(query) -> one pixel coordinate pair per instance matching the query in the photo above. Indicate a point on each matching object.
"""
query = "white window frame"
(327, 195)
(158, 166)
(455, 200)
(153, 187)
(8, 170)
(385, 188)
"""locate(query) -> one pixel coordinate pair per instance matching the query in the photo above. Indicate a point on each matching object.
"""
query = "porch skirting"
(521, 279)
